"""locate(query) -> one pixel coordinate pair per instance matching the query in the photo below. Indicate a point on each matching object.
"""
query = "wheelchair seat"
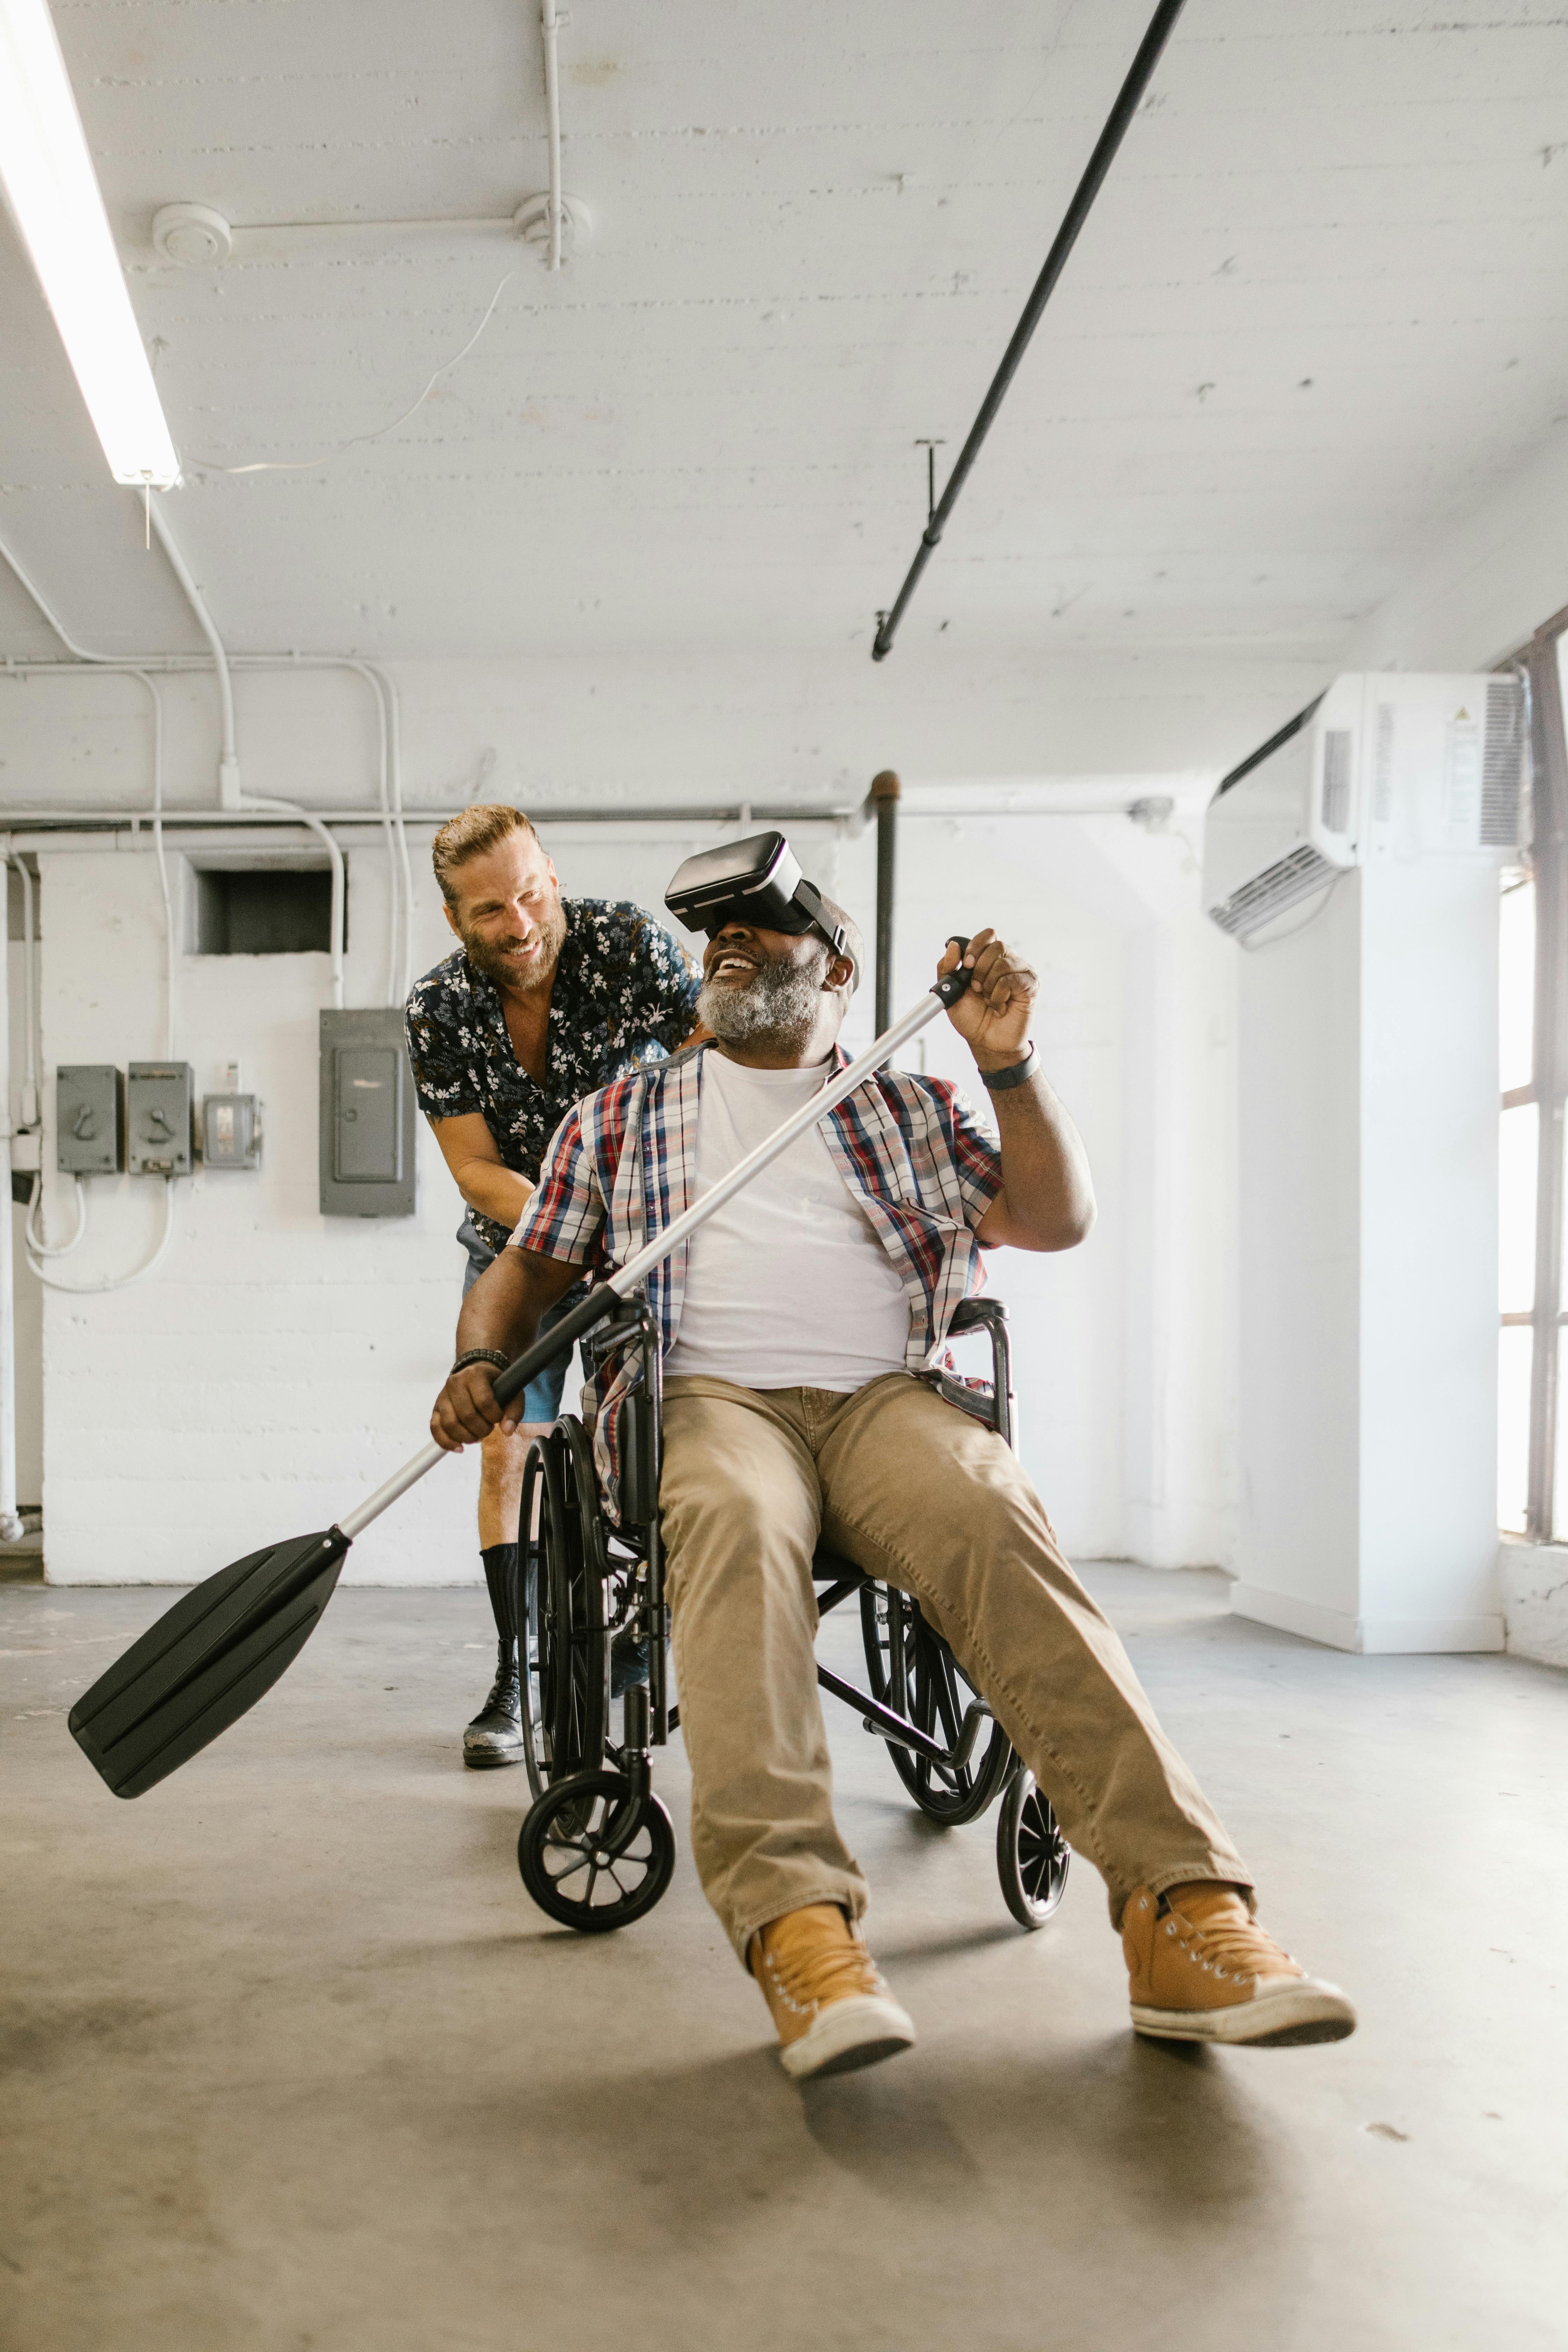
(597, 1849)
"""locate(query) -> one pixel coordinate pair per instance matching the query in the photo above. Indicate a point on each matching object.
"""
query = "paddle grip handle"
(952, 984)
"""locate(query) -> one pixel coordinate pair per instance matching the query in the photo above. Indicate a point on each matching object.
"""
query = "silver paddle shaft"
(626, 1277)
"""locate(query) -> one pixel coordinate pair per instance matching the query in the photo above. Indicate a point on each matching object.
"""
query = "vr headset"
(754, 881)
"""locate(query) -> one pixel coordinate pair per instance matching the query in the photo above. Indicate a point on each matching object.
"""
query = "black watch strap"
(1017, 1074)
(495, 1355)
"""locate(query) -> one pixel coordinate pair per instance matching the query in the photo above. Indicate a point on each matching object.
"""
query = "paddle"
(212, 1655)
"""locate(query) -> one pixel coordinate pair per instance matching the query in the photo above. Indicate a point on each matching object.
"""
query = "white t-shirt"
(787, 1286)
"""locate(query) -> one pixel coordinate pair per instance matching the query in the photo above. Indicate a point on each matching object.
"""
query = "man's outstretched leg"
(740, 1508)
(925, 1497)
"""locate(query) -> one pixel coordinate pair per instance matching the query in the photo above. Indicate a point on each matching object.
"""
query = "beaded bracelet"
(480, 1356)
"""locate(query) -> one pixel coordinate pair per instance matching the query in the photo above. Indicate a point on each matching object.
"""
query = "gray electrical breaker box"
(367, 1116)
(160, 1119)
(89, 1119)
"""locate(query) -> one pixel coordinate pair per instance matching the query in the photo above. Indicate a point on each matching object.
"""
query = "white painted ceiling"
(1319, 304)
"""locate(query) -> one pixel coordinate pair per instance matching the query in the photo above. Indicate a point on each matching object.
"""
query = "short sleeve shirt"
(624, 994)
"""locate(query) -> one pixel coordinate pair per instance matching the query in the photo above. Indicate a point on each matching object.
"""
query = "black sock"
(500, 1575)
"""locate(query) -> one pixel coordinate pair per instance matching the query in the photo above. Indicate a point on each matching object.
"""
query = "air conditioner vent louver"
(1337, 749)
(1501, 762)
(1294, 876)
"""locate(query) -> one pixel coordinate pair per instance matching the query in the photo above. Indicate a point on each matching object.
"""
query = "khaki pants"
(922, 1496)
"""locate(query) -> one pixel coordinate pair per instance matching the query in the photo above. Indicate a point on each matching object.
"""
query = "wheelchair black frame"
(648, 1718)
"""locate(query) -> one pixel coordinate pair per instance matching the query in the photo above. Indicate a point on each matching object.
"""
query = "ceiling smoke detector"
(193, 236)
(531, 221)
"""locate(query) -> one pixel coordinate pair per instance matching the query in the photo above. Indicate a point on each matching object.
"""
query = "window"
(1532, 1361)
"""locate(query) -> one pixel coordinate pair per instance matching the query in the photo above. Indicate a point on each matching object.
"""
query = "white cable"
(121, 1281)
(37, 1245)
(395, 723)
(292, 808)
(307, 465)
(550, 29)
(170, 966)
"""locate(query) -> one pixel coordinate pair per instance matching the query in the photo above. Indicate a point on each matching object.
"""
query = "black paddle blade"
(205, 1661)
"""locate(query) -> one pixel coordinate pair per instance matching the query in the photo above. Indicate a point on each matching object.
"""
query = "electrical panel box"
(367, 1133)
(89, 1119)
(231, 1132)
(160, 1119)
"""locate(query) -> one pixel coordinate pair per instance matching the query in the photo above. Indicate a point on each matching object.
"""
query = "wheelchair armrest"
(990, 1316)
(977, 1313)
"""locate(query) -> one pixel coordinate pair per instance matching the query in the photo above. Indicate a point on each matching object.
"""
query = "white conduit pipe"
(138, 667)
(303, 816)
(229, 758)
(550, 24)
(119, 1281)
(29, 995)
(37, 1248)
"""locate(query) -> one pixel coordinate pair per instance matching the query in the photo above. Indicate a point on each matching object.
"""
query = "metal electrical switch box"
(89, 1119)
(160, 1119)
(231, 1132)
(367, 1116)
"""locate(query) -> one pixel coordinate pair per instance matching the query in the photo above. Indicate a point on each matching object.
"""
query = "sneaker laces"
(810, 1970)
(1234, 1944)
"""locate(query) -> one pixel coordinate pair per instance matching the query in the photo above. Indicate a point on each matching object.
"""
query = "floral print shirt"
(624, 994)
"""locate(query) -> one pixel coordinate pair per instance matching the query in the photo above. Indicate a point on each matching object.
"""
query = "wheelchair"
(597, 1849)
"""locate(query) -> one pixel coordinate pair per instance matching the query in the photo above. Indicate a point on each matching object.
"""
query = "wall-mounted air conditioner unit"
(1384, 764)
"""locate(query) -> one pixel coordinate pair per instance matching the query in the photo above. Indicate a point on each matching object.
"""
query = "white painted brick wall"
(281, 1364)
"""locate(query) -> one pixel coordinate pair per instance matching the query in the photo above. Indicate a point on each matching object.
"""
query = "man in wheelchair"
(796, 1325)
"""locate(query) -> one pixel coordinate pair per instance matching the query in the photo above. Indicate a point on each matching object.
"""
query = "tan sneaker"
(1203, 1971)
(832, 2009)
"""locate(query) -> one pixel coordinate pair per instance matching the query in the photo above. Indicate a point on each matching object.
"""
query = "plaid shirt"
(621, 1167)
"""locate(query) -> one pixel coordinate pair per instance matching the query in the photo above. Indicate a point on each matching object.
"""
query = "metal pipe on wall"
(883, 800)
(11, 1527)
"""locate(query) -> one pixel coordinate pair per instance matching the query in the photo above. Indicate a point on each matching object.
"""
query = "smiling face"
(509, 914)
(772, 993)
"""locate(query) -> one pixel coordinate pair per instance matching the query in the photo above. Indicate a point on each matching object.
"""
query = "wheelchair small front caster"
(593, 1854)
(1031, 1855)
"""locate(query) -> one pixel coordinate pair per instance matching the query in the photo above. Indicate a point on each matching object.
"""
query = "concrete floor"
(294, 2066)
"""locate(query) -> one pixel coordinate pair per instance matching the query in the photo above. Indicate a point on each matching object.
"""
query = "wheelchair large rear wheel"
(911, 1669)
(592, 1856)
(564, 1650)
(1031, 1855)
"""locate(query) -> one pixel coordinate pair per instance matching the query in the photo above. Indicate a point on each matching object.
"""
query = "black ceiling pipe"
(884, 800)
(1127, 104)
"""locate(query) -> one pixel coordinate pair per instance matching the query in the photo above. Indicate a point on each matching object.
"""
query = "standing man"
(545, 1000)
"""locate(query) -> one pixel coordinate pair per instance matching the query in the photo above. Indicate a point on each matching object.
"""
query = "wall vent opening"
(262, 910)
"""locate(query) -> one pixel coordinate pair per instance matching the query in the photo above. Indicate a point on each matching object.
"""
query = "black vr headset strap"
(810, 899)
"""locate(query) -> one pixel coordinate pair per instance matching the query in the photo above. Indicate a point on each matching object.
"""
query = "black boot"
(495, 1736)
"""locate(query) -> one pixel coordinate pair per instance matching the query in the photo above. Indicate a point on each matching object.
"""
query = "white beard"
(777, 1006)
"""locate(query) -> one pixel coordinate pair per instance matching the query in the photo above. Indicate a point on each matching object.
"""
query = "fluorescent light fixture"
(58, 208)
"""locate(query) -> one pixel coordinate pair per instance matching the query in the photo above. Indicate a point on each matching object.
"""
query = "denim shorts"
(542, 1397)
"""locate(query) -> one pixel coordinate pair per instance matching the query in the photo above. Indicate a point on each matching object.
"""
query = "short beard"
(492, 962)
(778, 1007)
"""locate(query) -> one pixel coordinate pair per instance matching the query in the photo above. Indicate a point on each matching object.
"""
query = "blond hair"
(469, 835)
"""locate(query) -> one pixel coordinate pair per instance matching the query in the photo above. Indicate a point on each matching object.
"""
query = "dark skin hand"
(1046, 1200)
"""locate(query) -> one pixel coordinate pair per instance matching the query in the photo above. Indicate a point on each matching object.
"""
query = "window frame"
(1548, 1087)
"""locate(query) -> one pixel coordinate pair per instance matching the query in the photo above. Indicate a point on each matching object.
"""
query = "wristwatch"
(1017, 1074)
